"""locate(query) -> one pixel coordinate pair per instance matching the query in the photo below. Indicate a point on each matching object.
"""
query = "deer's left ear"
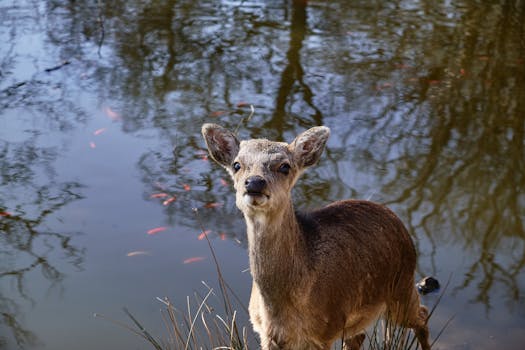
(308, 146)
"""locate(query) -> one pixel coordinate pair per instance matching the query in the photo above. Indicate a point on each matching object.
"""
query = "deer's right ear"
(222, 144)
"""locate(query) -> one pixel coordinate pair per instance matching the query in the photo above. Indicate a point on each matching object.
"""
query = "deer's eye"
(284, 168)
(236, 167)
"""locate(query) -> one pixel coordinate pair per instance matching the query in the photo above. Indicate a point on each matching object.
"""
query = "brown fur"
(322, 275)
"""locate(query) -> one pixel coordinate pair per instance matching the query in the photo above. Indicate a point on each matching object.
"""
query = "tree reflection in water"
(425, 100)
(456, 160)
(31, 192)
(27, 244)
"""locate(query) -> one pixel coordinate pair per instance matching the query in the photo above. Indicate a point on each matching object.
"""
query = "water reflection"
(439, 93)
(27, 245)
(292, 81)
(32, 192)
(425, 101)
(457, 147)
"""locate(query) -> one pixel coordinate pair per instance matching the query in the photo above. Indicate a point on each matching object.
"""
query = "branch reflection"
(27, 245)
(31, 192)
(425, 100)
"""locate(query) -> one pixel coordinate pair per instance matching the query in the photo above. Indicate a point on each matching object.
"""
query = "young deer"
(323, 275)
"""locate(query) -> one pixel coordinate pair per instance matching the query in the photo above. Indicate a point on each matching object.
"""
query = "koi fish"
(156, 230)
(193, 259)
(138, 252)
(169, 200)
(99, 131)
(159, 195)
(212, 205)
(203, 235)
(112, 114)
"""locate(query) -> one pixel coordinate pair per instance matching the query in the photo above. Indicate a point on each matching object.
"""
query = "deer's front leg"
(258, 317)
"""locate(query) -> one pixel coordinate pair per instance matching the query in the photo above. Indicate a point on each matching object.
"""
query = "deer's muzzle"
(255, 185)
(255, 194)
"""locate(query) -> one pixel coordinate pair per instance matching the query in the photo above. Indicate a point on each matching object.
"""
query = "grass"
(200, 326)
(197, 327)
(386, 335)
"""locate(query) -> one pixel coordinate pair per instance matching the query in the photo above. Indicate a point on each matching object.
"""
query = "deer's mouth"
(254, 198)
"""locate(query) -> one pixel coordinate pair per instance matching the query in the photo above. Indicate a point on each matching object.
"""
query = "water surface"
(100, 111)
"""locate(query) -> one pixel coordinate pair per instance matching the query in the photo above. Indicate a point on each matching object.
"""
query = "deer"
(322, 275)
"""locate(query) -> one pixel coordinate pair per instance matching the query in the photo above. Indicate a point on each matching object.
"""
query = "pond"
(106, 190)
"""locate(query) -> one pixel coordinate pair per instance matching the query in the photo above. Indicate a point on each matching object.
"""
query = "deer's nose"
(254, 184)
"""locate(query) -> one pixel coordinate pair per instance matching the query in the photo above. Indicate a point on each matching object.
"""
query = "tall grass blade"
(143, 330)
(196, 315)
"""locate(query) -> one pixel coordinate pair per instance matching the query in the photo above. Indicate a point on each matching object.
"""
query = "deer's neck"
(277, 251)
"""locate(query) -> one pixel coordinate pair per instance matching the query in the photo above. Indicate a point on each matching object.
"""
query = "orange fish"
(156, 230)
(212, 205)
(203, 235)
(169, 200)
(112, 114)
(158, 195)
(137, 252)
(194, 259)
(99, 131)
(186, 187)
(92, 145)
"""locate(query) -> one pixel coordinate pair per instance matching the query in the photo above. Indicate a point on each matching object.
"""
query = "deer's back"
(361, 248)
